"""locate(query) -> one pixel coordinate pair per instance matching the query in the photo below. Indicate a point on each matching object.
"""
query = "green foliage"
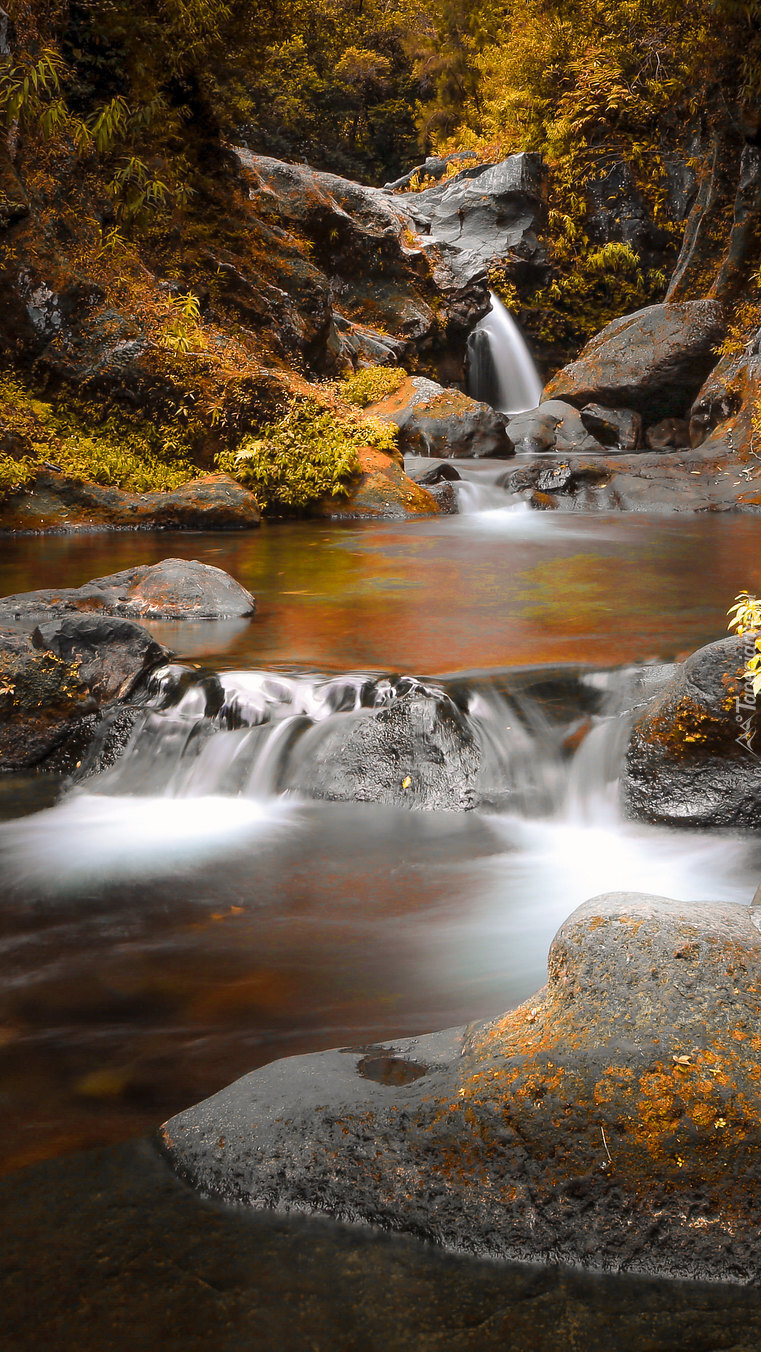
(591, 286)
(308, 454)
(371, 384)
(84, 441)
(745, 617)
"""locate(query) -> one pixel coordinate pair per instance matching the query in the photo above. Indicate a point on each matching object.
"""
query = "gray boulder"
(416, 752)
(56, 682)
(553, 426)
(694, 755)
(612, 1121)
(434, 421)
(175, 589)
(653, 361)
(485, 213)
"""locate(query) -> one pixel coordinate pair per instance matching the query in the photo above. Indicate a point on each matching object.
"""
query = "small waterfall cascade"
(501, 371)
(242, 734)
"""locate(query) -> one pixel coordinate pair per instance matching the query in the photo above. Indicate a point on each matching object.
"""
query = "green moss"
(310, 453)
(85, 441)
(371, 384)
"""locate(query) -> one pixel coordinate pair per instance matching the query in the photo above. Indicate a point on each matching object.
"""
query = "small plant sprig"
(746, 618)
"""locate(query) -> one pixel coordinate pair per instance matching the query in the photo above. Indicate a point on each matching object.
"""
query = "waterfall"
(501, 371)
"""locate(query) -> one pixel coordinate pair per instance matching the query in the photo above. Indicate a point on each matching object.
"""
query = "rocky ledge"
(57, 502)
(74, 664)
(611, 1121)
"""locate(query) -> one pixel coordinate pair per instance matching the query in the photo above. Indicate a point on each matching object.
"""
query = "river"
(165, 931)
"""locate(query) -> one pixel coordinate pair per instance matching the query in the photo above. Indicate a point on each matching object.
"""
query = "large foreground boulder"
(57, 681)
(443, 422)
(417, 752)
(612, 1121)
(174, 589)
(55, 502)
(694, 755)
(653, 361)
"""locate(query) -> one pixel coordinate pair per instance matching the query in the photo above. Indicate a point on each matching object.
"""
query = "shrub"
(77, 438)
(310, 453)
(371, 384)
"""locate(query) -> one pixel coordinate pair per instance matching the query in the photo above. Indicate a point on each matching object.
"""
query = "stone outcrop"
(174, 589)
(57, 681)
(710, 479)
(613, 427)
(694, 755)
(55, 502)
(443, 422)
(484, 214)
(416, 752)
(553, 426)
(611, 1121)
(653, 361)
(381, 491)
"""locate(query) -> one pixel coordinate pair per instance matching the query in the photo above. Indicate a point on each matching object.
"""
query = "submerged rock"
(170, 590)
(653, 361)
(434, 421)
(417, 752)
(689, 761)
(55, 683)
(611, 1121)
(55, 502)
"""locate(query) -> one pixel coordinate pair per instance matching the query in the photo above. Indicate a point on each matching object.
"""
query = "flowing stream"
(190, 912)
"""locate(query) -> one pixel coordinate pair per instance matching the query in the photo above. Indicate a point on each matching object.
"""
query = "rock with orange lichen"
(694, 755)
(444, 422)
(59, 503)
(614, 1120)
(382, 490)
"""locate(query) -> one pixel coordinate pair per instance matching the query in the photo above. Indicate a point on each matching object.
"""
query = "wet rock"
(553, 426)
(54, 502)
(434, 421)
(619, 427)
(611, 1121)
(653, 361)
(428, 475)
(668, 434)
(694, 755)
(445, 497)
(55, 682)
(382, 491)
(171, 590)
(416, 752)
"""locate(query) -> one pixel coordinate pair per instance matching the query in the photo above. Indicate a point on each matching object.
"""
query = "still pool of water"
(156, 945)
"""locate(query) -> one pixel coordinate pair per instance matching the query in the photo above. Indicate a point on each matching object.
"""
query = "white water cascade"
(501, 371)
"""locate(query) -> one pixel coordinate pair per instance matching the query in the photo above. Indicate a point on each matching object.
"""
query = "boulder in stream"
(416, 752)
(611, 1121)
(553, 426)
(56, 502)
(56, 681)
(444, 422)
(174, 589)
(653, 361)
(689, 761)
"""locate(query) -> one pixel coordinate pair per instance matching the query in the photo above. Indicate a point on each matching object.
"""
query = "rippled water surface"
(158, 937)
